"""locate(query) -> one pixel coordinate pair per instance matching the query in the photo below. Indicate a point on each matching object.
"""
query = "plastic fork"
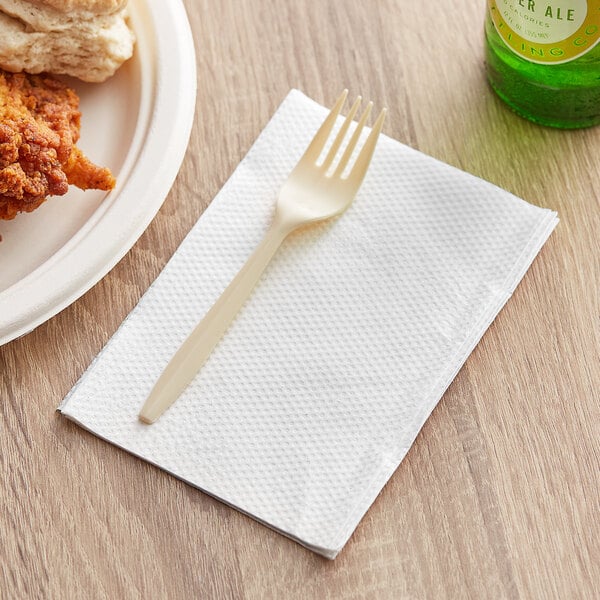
(314, 191)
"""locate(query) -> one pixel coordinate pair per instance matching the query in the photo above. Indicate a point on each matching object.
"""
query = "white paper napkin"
(317, 391)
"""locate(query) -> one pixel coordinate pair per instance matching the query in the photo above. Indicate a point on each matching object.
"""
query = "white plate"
(137, 123)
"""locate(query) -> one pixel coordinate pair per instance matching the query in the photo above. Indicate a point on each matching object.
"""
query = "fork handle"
(192, 354)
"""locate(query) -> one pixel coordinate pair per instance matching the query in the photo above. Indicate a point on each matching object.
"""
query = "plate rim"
(76, 267)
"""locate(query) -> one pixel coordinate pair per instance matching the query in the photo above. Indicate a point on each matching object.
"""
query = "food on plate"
(87, 39)
(39, 127)
(39, 115)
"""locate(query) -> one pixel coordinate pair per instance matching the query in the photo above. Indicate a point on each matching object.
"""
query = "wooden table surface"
(498, 497)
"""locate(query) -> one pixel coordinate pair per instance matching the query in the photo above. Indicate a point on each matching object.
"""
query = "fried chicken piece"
(39, 127)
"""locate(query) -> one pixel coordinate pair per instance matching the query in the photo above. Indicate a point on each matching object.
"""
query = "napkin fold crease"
(317, 391)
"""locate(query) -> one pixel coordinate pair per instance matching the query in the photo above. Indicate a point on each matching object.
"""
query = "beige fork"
(311, 193)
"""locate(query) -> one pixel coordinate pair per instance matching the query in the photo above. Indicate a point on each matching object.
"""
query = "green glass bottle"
(543, 59)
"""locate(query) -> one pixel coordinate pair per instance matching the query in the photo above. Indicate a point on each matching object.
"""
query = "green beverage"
(543, 59)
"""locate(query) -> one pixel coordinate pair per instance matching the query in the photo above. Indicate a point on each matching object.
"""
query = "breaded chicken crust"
(39, 128)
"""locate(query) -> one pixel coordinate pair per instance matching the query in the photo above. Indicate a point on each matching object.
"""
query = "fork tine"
(361, 165)
(353, 141)
(341, 135)
(318, 142)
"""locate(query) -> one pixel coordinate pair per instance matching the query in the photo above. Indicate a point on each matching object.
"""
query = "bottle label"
(547, 31)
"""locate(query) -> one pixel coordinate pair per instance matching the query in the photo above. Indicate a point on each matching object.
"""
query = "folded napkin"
(317, 391)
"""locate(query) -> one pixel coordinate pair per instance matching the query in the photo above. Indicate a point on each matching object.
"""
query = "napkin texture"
(317, 391)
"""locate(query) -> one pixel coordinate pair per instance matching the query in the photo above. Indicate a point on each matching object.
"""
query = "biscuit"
(87, 39)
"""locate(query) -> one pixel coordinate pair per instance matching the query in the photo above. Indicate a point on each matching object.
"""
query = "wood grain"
(498, 498)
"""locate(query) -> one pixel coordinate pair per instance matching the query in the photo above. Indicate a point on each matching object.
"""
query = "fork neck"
(283, 224)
